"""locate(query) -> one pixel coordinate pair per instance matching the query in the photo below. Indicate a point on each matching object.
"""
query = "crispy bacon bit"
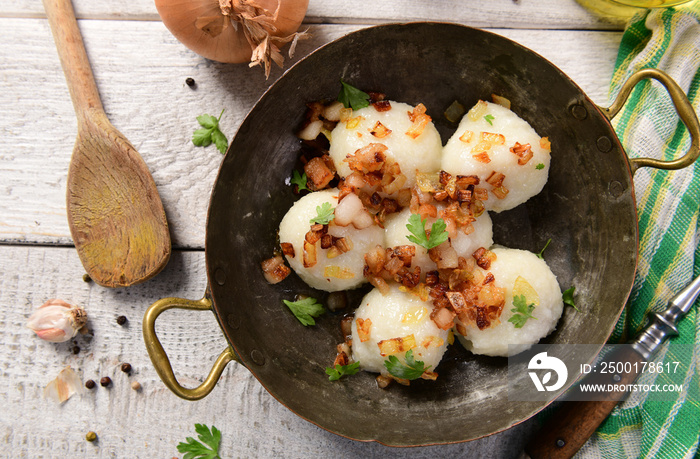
(495, 179)
(481, 147)
(475, 113)
(341, 359)
(319, 173)
(432, 278)
(383, 381)
(443, 318)
(369, 158)
(403, 197)
(409, 279)
(382, 105)
(523, 152)
(429, 375)
(502, 101)
(467, 136)
(309, 255)
(488, 279)
(419, 119)
(374, 260)
(378, 282)
(363, 329)
(404, 252)
(457, 301)
(444, 255)
(352, 123)
(482, 157)
(346, 326)
(275, 270)
(379, 130)
(493, 138)
(545, 143)
(481, 194)
(396, 345)
(287, 249)
(393, 265)
(315, 234)
(483, 257)
(375, 96)
(326, 241)
(501, 192)
(310, 130)
(427, 210)
(466, 180)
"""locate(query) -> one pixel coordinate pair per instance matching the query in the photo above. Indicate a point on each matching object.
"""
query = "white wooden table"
(141, 70)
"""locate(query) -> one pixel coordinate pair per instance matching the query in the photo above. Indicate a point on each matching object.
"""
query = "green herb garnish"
(411, 370)
(540, 166)
(324, 214)
(299, 180)
(194, 449)
(416, 226)
(209, 133)
(541, 254)
(489, 119)
(568, 297)
(305, 310)
(339, 371)
(522, 310)
(351, 97)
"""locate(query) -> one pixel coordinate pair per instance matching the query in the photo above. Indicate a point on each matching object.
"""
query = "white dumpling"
(330, 274)
(396, 315)
(519, 272)
(476, 149)
(422, 153)
(396, 233)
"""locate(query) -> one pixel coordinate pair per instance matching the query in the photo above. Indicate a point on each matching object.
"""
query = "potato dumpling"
(332, 271)
(503, 150)
(392, 324)
(389, 128)
(396, 234)
(520, 273)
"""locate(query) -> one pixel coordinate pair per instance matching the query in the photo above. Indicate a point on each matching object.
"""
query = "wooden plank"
(150, 422)
(141, 78)
(540, 14)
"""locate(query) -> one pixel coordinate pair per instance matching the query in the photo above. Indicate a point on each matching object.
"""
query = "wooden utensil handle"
(74, 59)
(574, 422)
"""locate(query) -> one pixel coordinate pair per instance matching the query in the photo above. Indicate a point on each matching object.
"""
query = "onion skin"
(231, 45)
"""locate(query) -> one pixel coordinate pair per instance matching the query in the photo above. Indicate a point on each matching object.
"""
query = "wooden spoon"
(115, 214)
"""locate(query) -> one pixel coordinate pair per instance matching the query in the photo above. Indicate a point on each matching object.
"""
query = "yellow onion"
(235, 31)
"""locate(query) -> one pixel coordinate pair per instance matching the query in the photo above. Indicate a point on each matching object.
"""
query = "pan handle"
(685, 111)
(160, 358)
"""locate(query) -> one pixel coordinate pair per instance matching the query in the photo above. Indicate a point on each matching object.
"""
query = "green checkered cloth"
(669, 255)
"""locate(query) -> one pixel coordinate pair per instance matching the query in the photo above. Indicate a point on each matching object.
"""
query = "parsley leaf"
(194, 449)
(325, 214)
(339, 371)
(489, 119)
(541, 254)
(209, 133)
(568, 297)
(416, 226)
(350, 96)
(540, 166)
(522, 310)
(412, 370)
(305, 310)
(299, 180)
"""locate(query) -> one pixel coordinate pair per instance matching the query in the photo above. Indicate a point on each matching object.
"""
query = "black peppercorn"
(126, 367)
(86, 278)
(121, 320)
(190, 82)
(105, 381)
(90, 384)
(75, 349)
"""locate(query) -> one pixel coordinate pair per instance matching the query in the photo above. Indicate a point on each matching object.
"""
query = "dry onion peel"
(236, 31)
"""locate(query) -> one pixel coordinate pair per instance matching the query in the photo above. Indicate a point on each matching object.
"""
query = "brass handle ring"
(685, 111)
(160, 358)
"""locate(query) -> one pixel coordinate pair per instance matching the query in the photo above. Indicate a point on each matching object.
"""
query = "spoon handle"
(74, 59)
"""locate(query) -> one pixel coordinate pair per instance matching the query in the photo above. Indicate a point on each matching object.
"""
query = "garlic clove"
(63, 386)
(57, 321)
